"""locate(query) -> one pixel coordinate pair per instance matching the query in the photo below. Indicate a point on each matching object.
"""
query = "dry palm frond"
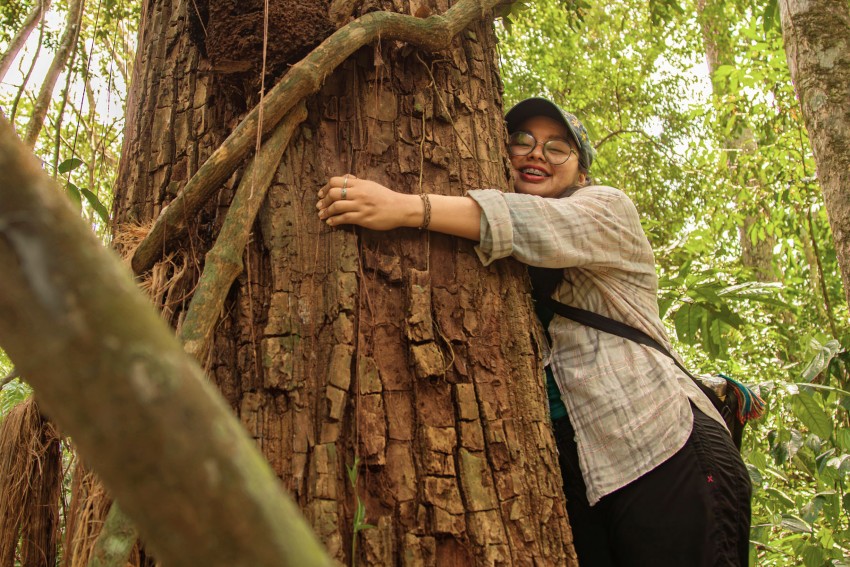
(30, 484)
(89, 506)
(127, 238)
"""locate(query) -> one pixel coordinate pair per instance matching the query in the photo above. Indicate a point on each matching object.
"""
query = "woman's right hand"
(346, 199)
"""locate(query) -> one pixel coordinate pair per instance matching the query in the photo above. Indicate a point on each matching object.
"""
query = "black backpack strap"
(603, 323)
(614, 327)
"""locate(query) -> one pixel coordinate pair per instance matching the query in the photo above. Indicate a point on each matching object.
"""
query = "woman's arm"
(371, 205)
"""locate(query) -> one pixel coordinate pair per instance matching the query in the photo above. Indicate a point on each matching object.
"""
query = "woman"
(650, 472)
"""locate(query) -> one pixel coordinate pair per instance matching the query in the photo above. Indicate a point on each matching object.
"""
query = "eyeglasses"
(556, 151)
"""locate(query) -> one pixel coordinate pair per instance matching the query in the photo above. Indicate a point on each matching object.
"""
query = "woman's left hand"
(348, 200)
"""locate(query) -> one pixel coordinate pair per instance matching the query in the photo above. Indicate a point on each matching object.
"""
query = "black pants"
(691, 511)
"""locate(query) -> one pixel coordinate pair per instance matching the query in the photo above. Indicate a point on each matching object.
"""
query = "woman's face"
(533, 174)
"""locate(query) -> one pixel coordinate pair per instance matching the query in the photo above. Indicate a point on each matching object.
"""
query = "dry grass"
(90, 504)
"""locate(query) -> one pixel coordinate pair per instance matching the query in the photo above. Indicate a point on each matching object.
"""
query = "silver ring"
(345, 181)
(344, 192)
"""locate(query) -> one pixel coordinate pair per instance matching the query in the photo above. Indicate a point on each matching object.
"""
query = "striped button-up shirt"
(628, 403)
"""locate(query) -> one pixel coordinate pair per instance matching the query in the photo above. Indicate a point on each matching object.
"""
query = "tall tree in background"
(382, 375)
(817, 44)
(66, 45)
(20, 38)
(717, 35)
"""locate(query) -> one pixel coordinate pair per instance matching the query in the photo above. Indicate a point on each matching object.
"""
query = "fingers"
(331, 195)
(342, 181)
(337, 204)
(336, 189)
(336, 209)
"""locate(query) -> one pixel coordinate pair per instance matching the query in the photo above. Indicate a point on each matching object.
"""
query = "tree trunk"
(33, 18)
(114, 377)
(45, 95)
(388, 370)
(817, 46)
(756, 253)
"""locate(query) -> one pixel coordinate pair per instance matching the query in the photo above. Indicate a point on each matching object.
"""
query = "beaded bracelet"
(426, 220)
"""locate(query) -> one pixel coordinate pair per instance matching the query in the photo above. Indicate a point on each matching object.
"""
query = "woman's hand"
(348, 200)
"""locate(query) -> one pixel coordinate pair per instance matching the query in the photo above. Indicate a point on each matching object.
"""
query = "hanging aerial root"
(30, 484)
(162, 282)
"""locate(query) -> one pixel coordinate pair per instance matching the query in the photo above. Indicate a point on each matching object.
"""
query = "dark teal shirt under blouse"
(557, 409)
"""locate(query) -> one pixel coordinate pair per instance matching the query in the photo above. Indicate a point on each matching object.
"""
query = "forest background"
(693, 114)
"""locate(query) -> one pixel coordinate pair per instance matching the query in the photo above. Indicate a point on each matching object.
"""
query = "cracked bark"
(817, 47)
(397, 348)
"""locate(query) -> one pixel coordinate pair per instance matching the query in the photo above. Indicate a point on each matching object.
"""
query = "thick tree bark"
(397, 351)
(115, 378)
(33, 18)
(45, 95)
(817, 46)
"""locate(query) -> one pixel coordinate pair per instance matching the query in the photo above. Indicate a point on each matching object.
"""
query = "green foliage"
(12, 393)
(359, 523)
(714, 164)
(12, 15)
(81, 138)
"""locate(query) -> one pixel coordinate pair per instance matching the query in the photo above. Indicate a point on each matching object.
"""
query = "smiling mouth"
(533, 172)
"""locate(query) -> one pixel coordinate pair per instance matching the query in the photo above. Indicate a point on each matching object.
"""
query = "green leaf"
(795, 524)
(770, 15)
(352, 471)
(686, 323)
(69, 165)
(808, 410)
(813, 556)
(756, 477)
(724, 70)
(824, 354)
(664, 305)
(842, 439)
(73, 193)
(95, 203)
(812, 510)
(780, 497)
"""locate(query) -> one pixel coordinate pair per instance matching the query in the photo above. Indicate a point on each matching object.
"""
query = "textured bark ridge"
(231, 33)
(396, 348)
(817, 46)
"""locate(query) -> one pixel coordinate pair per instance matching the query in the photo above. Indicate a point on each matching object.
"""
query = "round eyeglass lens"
(556, 151)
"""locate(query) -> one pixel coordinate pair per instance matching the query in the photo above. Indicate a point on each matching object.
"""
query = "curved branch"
(303, 79)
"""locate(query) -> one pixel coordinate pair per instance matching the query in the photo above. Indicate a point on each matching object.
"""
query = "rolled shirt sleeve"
(595, 226)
